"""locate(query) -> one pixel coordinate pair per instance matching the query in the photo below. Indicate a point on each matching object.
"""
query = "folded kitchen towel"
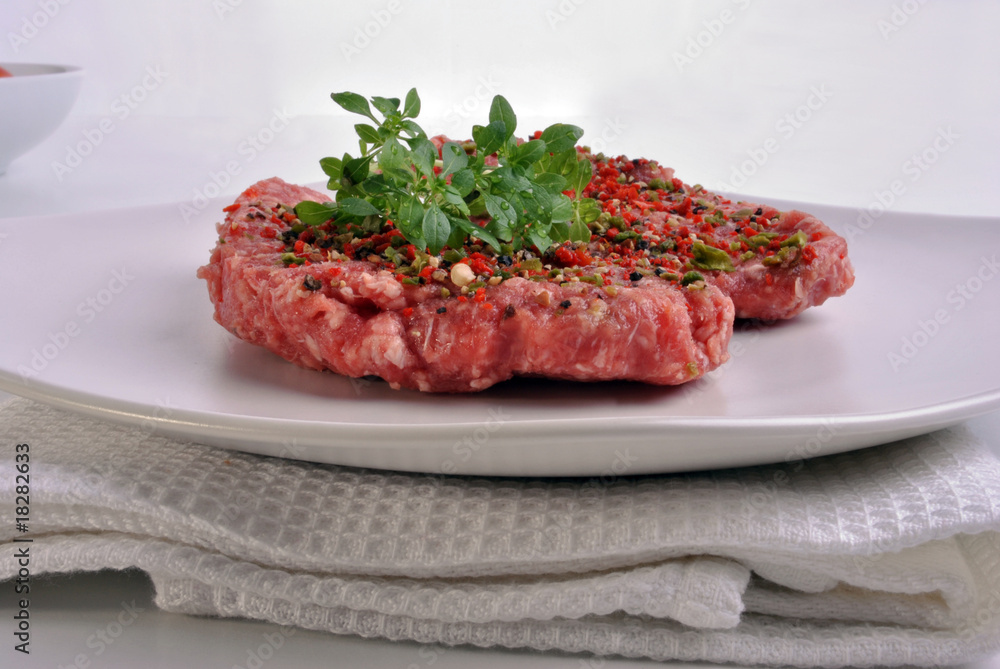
(885, 556)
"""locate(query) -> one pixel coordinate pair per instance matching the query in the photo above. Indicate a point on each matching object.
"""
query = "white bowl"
(33, 103)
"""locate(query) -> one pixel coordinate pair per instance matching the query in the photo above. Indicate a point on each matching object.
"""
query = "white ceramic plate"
(102, 313)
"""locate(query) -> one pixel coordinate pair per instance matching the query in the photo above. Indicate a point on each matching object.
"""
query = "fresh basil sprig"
(520, 198)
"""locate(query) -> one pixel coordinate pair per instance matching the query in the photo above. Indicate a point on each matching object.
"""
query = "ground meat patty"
(776, 263)
(782, 291)
(356, 318)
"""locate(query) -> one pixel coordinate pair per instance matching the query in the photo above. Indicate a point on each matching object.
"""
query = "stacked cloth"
(885, 556)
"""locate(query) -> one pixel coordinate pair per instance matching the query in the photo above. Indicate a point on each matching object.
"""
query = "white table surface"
(883, 86)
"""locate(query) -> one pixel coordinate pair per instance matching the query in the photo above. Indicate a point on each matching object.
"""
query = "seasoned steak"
(772, 264)
(349, 305)
(650, 297)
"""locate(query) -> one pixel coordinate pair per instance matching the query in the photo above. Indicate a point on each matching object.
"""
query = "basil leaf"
(531, 208)
(356, 170)
(477, 206)
(464, 181)
(489, 138)
(554, 183)
(367, 133)
(332, 167)
(453, 197)
(584, 173)
(412, 128)
(587, 210)
(377, 184)
(505, 180)
(393, 156)
(411, 108)
(453, 158)
(530, 152)
(560, 163)
(539, 238)
(563, 211)
(545, 199)
(400, 177)
(500, 110)
(436, 229)
(579, 232)
(394, 179)
(357, 207)
(474, 230)
(387, 106)
(457, 237)
(502, 212)
(354, 103)
(561, 136)
(559, 232)
(422, 153)
(315, 213)
(410, 219)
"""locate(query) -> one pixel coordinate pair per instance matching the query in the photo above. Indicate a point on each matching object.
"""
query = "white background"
(699, 86)
(208, 96)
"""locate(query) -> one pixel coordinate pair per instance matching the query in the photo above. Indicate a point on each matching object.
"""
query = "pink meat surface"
(362, 321)
(779, 292)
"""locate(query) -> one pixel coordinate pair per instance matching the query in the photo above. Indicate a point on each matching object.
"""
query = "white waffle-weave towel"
(886, 556)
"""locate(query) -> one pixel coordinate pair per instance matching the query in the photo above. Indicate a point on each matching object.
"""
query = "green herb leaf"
(489, 138)
(367, 133)
(412, 128)
(502, 212)
(356, 170)
(540, 238)
(464, 181)
(410, 219)
(561, 136)
(555, 183)
(530, 152)
(387, 106)
(394, 156)
(353, 103)
(332, 167)
(579, 232)
(423, 153)
(454, 198)
(453, 158)
(587, 210)
(315, 213)
(411, 108)
(436, 229)
(584, 173)
(470, 228)
(521, 200)
(563, 211)
(500, 110)
(357, 207)
(378, 184)
(506, 180)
